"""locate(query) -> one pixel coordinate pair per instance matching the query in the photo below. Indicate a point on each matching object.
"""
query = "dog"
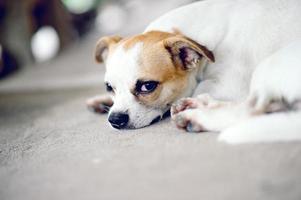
(238, 59)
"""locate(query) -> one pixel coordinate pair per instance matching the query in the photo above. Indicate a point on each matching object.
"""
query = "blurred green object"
(80, 6)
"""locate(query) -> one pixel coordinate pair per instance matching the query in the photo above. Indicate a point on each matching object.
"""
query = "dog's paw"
(207, 101)
(188, 120)
(261, 103)
(183, 104)
(201, 101)
(100, 103)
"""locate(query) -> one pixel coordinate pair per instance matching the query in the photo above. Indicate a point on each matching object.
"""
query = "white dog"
(242, 58)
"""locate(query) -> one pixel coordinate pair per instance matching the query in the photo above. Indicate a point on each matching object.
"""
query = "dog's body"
(241, 34)
(249, 41)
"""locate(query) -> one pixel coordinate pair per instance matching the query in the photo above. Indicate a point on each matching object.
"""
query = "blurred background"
(46, 44)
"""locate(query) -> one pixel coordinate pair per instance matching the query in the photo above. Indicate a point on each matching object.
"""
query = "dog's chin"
(139, 126)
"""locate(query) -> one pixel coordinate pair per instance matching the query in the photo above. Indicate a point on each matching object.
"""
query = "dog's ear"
(186, 52)
(103, 45)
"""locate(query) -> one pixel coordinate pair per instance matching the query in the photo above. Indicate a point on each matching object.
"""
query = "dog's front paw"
(188, 120)
(199, 114)
(183, 104)
(185, 112)
(207, 101)
(100, 103)
(261, 103)
(201, 101)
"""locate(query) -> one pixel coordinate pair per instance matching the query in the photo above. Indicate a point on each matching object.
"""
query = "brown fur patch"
(157, 64)
(147, 39)
(105, 44)
(208, 53)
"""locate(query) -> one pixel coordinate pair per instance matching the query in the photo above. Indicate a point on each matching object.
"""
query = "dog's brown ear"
(103, 46)
(187, 52)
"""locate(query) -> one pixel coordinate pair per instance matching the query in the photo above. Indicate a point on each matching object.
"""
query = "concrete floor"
(51, 147)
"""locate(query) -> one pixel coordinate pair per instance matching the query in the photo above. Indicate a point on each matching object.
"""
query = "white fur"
(275, 78)
(278, 76)
(271, 128)
(122, 73)
(244, 35)
(241, 34)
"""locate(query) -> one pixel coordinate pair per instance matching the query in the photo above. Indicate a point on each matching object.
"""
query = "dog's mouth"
(154, 121)
(157, 119)
(160, 117)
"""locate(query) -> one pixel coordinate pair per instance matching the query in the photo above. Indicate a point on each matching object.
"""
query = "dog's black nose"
(119, 120)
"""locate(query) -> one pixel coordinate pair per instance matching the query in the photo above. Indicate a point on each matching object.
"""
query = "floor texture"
(51, 147)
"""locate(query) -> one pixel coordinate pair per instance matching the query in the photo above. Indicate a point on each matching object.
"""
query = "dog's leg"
(100, 103)
(207, 114)
(201, 101)
(275, 94)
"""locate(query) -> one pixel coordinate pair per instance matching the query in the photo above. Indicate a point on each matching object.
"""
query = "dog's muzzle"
(118, 120)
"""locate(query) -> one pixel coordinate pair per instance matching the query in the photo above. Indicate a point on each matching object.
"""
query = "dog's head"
(146, 73)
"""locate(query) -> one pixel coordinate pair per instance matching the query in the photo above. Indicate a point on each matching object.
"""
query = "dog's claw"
(193, 127)
(190, 128)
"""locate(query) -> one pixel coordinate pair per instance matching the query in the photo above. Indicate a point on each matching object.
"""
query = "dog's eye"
(109, 88)
(146, 87)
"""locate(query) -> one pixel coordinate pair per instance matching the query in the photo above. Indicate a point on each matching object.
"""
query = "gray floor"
(51, 147)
